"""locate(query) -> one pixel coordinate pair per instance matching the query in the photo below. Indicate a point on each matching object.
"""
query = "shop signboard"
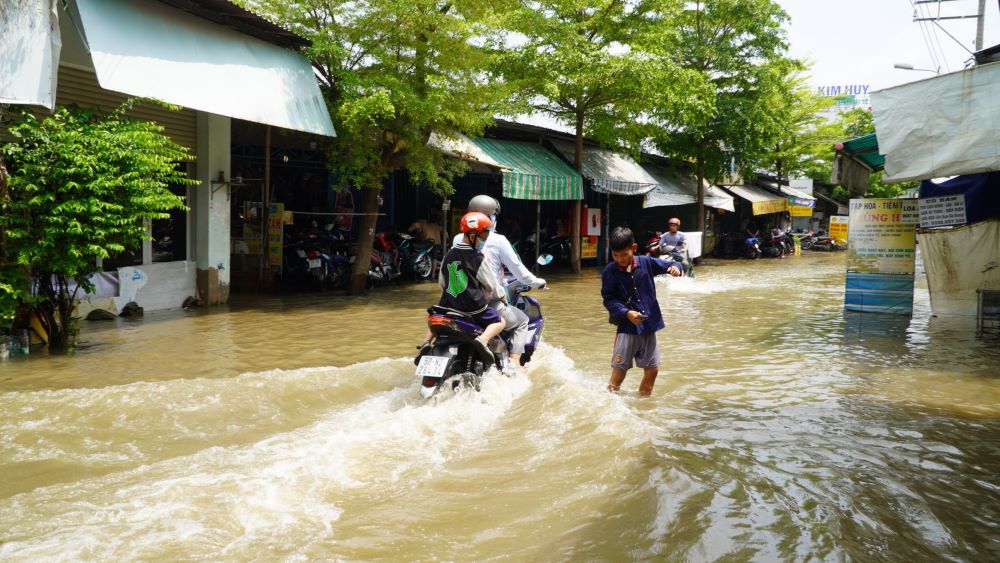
(802, 184)
(838, 227)
(800, 211)
(591, 222)
(769, 206)
(588, 247)
(942, 211)
(881, 251)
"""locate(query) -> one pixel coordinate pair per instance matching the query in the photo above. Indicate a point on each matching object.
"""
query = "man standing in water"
(629, 294)
(501, 255)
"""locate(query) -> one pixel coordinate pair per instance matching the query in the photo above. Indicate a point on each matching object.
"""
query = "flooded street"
(292, 428)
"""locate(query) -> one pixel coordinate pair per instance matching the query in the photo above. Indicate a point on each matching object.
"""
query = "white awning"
(460, 146)
(29, 53)
(683, 190)
(795, 195)
(942, 126)
(761, 200)
(151, 50)
(609, 172)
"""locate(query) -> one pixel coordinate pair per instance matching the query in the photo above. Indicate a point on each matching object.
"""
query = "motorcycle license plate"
(314, 263)
(432, 366)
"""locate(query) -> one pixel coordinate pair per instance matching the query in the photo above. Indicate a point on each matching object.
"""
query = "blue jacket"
(623, 293)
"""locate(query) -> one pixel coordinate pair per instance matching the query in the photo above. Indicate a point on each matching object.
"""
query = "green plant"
(80, 187)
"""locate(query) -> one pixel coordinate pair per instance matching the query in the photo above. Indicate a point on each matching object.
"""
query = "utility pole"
(979, 25)
(980, 21)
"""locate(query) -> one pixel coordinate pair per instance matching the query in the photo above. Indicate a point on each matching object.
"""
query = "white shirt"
(501, 255)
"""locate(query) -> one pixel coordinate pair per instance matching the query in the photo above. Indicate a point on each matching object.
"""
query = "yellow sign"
(251, 226)
(770, 206)
(838, 227)
(588, 247)
(801, 211)
(883, 237)
(275, 233)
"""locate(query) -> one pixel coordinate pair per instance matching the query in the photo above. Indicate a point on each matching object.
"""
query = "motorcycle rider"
(674, 238)
(470, 280)
(502, 255)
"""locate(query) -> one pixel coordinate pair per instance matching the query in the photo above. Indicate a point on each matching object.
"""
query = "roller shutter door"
(80, 87)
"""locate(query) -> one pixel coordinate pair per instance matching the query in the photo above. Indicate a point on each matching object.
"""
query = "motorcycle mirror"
(544, 259)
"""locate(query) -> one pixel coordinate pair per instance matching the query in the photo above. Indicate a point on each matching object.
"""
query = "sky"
(858, 41)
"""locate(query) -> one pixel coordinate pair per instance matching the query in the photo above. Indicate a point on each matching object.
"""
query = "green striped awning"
(532, 172)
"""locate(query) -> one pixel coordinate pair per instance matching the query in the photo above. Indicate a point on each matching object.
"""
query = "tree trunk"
(366, 236)
(574, 223)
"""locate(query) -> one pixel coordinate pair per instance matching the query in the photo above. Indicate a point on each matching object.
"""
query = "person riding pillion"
(501, 255)
(467, 280)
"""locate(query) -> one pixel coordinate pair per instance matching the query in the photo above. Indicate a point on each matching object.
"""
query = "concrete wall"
(164, 285)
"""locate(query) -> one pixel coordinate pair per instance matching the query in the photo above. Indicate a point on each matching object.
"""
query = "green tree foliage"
(804, 140)
(79, 188)
(597, 66)
(394, 72)
(737, 47)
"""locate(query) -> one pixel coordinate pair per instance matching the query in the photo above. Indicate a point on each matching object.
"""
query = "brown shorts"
(642, 348)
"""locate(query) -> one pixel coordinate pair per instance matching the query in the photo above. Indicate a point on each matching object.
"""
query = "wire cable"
(924, 34)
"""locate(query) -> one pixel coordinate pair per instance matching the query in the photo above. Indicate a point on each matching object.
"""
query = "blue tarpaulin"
(981, 191)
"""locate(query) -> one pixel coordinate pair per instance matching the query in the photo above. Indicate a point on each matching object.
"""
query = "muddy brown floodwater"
(292, 428)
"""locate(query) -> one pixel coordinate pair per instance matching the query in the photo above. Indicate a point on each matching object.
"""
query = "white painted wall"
(164, 285)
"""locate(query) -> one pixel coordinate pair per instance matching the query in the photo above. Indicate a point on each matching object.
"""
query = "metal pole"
(979, 25)
(538, 234)
(265, 206)
(607, 229)
(445, 206)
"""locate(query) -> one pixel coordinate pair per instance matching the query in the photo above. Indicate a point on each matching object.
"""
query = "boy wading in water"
(630, 297)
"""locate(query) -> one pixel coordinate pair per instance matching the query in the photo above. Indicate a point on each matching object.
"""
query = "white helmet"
(485, 204)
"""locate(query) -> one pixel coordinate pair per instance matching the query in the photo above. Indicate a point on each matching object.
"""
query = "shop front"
(215, 73)
(676, 195)
(620, 184)
(537, 190)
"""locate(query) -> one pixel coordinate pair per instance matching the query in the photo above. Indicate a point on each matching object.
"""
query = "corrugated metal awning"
(762, 201)
(532, 172)
(608, 171)
(151, 50)
(679, 189)
(462, 147)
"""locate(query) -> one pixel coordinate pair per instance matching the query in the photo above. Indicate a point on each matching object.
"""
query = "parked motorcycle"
(303, 260)
(752, 248)
(652, 245)
(558, 247)
(453, 360)
(417, 256)
(777, 245)
(829, 244)
(384, 265)
(806, 240)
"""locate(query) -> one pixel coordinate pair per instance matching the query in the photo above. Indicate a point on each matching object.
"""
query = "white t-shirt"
(502, 255)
